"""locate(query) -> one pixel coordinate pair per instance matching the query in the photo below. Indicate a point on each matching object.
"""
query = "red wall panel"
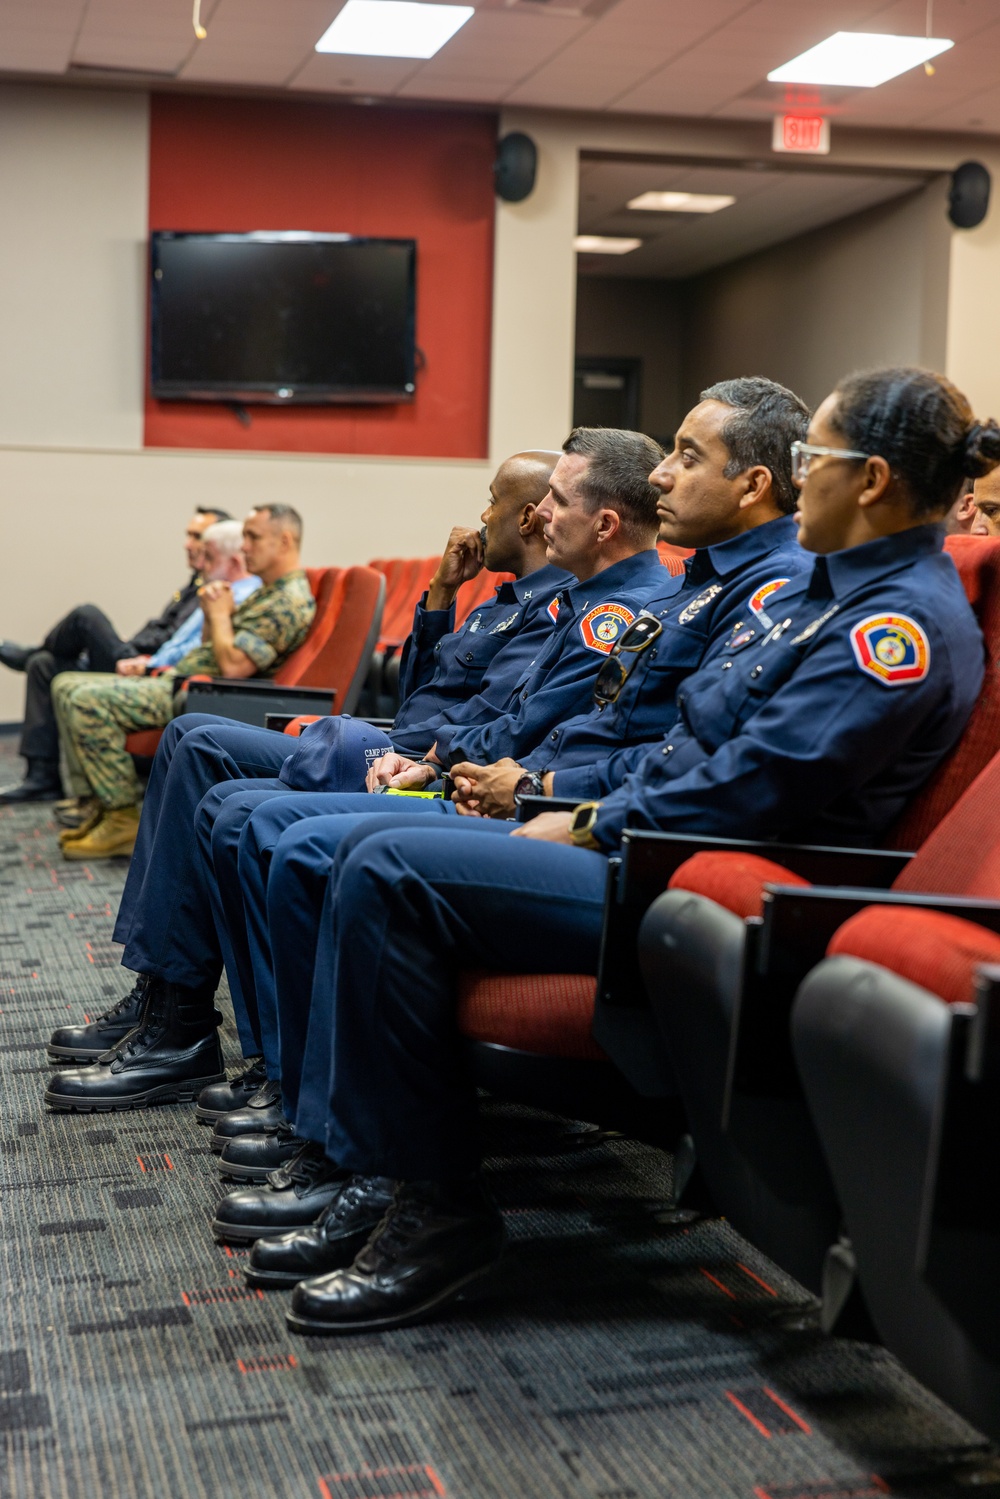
(239, 165)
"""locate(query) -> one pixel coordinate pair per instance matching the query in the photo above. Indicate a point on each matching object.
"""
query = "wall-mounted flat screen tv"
(284, 318)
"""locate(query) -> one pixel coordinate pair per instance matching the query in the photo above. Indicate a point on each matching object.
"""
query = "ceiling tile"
(36, 38)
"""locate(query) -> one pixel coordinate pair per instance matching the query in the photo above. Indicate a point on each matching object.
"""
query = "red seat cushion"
(733, 880)
(547, 1013)
(143, 742)
(938, 952)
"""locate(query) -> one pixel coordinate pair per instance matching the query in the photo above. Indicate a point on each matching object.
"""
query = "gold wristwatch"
(581, 825)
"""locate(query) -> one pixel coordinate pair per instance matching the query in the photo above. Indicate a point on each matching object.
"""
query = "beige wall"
(872, 289)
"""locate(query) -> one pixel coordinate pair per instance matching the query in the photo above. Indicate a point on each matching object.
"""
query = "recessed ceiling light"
(681, 202)
(393, 28)
(859, 59)
(603, 244)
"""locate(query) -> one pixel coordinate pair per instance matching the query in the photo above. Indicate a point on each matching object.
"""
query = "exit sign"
(808, 134)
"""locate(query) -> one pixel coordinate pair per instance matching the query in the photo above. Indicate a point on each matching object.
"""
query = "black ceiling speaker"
(969, 195)
(515, 167)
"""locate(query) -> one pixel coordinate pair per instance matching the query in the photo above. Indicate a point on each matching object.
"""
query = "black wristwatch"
(532, 783)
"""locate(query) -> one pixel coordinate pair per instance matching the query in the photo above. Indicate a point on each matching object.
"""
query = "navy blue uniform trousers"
(407, 909)
(238, 836)
(170, 919)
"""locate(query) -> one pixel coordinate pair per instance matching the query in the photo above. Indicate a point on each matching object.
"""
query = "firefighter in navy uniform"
(818, 730)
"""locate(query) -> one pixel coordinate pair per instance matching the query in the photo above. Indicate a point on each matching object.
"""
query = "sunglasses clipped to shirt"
(619, 665)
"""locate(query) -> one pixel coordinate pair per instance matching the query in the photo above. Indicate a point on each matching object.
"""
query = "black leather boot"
(85, 1043)
(330, 1243)
(223, 1098)
(169, 1058)
(252, 1158)
(259, 1116)
(41, 784)
(293, 1198)
(430, 1247)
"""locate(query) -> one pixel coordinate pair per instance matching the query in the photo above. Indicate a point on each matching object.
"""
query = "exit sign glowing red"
(808, 134)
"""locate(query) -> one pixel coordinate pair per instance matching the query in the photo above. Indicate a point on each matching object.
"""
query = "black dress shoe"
(431, 1246)
(252, 1158)
(168, 1058)
(330, 1243)
(17, 656)
(223, 1098)
(260, 1115)
(85, 1043)
(293, 1198)
(41, 784)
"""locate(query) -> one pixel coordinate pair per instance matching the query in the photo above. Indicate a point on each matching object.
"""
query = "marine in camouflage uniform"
(96, 712)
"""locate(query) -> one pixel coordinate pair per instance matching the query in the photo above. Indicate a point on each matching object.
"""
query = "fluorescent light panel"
(681, 202)
(603, 244)
(393, 28)
(859, 59)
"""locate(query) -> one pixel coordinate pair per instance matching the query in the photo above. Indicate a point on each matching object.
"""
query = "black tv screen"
(282, 317)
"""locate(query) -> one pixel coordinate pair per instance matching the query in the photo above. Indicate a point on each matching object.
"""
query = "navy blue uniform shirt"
(733, 581)
(823, 727)
(559, 684)
(472, 670)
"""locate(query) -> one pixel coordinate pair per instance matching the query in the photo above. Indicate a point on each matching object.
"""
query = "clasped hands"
(479, 791)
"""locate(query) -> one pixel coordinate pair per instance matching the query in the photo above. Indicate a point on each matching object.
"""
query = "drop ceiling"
(650, 57)
(771, 206)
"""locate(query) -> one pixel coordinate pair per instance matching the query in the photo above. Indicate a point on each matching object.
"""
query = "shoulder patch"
(553, 610)
(760, 598)
(603, 625)
(891, 647)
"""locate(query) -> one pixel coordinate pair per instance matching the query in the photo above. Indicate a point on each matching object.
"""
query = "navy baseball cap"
(333, 754)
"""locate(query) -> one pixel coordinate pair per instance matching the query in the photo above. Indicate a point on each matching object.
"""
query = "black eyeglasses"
(615, 672)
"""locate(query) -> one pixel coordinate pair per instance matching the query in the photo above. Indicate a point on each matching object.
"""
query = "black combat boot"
(252, 1158)
(223, 1098)
(85, 1043)
(294, 1197)
(435, 1241)
(170, 1057)
(330, 1243)
(260, 1115)
(41, 784)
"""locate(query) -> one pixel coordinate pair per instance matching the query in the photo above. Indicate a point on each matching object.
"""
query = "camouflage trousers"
(95, 711)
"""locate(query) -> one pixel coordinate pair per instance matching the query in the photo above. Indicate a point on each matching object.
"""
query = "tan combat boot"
(114, 834)
(94, 813)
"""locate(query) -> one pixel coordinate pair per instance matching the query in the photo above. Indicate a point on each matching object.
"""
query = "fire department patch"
(892, 647)
(761, 597)
(603, 626)
(553, 610)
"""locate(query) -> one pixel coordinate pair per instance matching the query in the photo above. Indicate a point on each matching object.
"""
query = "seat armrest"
(533, 806)
(781, 948)
(660, 855)
(250, 700)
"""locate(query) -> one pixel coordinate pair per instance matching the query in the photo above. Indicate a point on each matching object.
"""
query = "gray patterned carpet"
(613, 1358)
